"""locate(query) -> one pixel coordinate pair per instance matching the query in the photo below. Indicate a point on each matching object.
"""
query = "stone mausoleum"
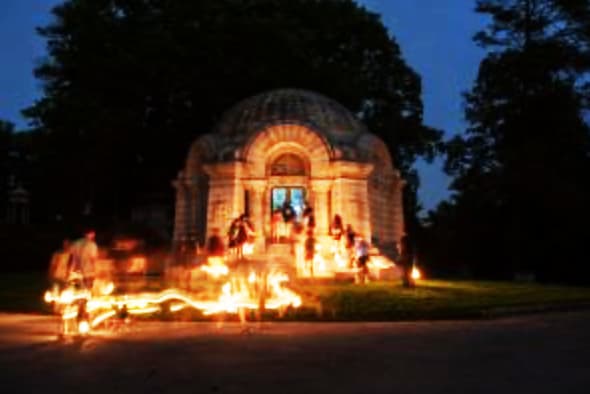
(296, 145)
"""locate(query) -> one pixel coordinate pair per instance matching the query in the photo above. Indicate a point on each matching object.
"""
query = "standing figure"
(232, 236)
(60, 264)
(336, 231)
(311, 223)
(249, 228)
(309, 249)
(308, 218)
(288, 219)
(84, 255)
(215, 245)
(307, 213)
(350, 236)
(362, 259)
(287, 211)
(276, 219)
(242, 235)
(250, 234)
(336, 228)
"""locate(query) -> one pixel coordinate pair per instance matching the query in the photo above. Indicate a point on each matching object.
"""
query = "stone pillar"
(320, 190)
(256, 191)
(355, 206)
(363, 210)
(258, 211)
(219, 209)
(225, 203)
(180, 211)
(191, 195)
(18, 206)
(266, 209)
(398, 210)
(337, 198)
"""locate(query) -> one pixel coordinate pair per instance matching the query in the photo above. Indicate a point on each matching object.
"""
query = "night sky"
(435, 37)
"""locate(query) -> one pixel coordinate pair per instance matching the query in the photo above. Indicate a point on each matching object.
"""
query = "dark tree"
(522, 169)
(130, 83)
(6, 141)
(16, 162)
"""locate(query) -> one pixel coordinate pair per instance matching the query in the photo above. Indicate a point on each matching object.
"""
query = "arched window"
(288, 164)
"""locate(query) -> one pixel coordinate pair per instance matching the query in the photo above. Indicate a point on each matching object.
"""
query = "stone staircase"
(276, 257)
(279, 253)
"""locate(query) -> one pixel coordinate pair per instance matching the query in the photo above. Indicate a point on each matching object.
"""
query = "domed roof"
(324, 115)
(345, 136)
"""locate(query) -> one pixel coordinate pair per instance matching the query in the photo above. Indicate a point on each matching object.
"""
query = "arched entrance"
(288, 174)
(287, 162)
(282, 169)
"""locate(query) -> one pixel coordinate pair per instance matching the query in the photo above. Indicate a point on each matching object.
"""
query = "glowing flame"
(252, 277)
(416, 274)
(106, 288)
(48, 297)
(332, 259)
(177, 307)
(215, 267)
(248, 248)
(102, 317)
(243, 288)
(239, 293)
(339, 260)
(83, 327)
(137, 265)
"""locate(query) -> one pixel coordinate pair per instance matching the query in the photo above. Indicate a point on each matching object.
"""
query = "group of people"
(75, 261)
(356, 247)
(241, 232)
(358, 251)
(301, 234)
(285, 225)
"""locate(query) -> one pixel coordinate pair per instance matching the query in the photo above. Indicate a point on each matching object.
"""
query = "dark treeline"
(521, 171)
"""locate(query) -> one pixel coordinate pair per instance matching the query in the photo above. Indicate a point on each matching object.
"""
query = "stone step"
(279, 250)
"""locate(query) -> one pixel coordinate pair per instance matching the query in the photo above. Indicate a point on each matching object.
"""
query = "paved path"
(532, 354)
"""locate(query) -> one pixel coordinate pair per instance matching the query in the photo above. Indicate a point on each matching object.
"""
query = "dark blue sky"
(435, 37)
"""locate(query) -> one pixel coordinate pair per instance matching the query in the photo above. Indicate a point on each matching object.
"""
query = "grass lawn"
(437, 299)
(23, 292)
(385, 301)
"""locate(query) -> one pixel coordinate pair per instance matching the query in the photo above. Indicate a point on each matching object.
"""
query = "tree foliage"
(16, 162)
(6, 141)
(522, 169)
(130, 83)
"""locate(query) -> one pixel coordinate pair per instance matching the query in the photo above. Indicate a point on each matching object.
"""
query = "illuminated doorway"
(295, 196)
(281, 196)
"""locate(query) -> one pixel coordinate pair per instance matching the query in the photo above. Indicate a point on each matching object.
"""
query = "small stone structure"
(289, 144)
(18, 210)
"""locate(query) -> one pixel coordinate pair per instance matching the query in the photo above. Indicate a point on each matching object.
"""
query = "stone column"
(266, 209)
(192, 191)
(320, 190)
(180, 211)
(355, 206)
(398, 210)
(256, 191)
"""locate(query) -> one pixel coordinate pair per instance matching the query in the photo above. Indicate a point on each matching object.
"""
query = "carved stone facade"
(289, 143)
